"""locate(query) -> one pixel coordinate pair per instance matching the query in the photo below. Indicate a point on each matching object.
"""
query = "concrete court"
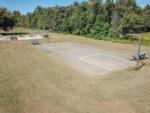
(87, 59)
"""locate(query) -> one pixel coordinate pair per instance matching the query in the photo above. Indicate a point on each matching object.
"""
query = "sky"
(25, 6)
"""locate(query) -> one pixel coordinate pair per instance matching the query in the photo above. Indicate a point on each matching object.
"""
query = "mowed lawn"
(35, 82)
(146, 36)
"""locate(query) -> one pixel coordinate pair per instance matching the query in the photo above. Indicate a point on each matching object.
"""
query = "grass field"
(20, 30)
(146, 35)
(34, 82)
(145, 38)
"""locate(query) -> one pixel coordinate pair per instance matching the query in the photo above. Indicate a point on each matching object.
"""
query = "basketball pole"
(138, 48)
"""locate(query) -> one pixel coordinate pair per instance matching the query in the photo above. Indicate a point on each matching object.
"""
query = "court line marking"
(97, 64)
(104, 66)
(104, 54)
(67, 51)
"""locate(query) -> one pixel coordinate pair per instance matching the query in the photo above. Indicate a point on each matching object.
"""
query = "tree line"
(94, 18)
(7, 20)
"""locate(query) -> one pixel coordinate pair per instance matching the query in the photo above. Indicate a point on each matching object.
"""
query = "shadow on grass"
(15, 33)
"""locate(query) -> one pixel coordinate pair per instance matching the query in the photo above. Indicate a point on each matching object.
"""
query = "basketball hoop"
(138, 56)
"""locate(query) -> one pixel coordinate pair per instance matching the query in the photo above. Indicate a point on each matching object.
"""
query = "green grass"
(131, 41)
(146, 36)
(20, 30)
(16, 30)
